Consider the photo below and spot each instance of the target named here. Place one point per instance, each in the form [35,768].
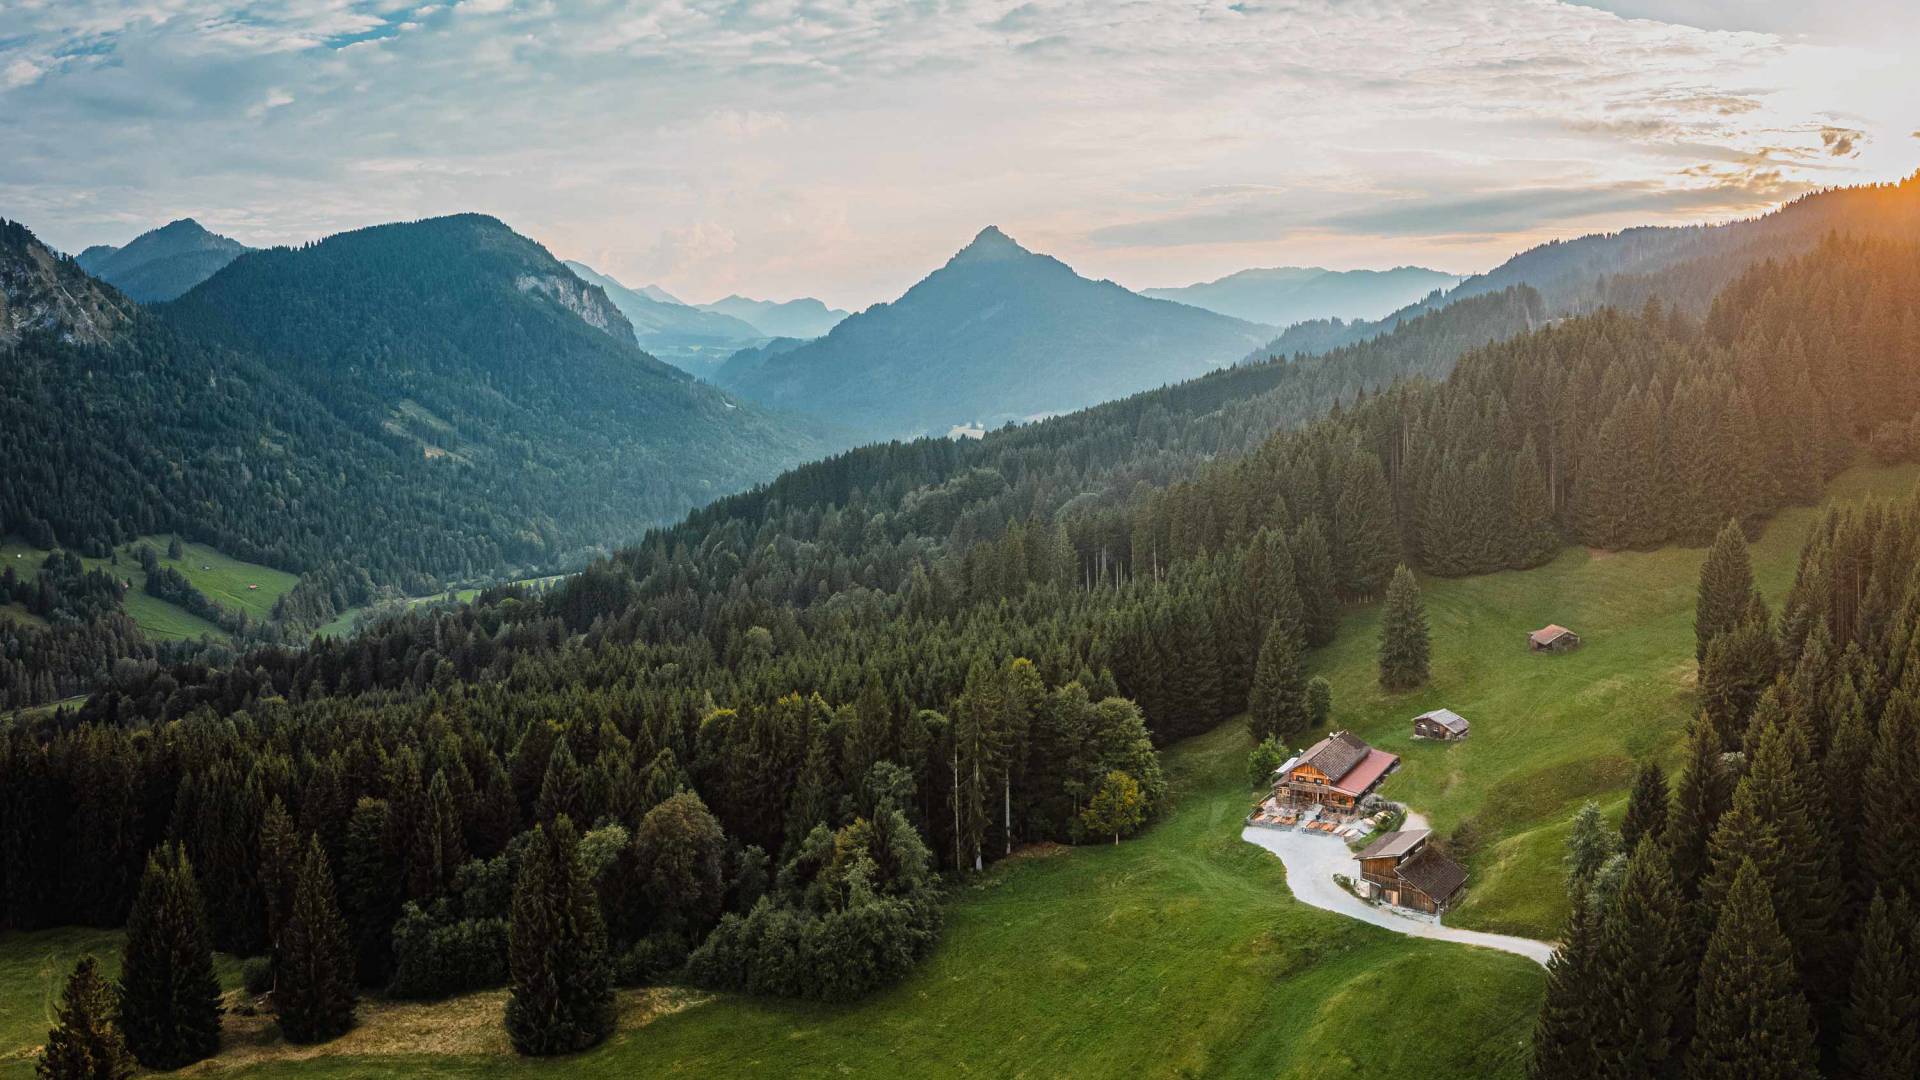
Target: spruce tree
[1882,1024]
[1640,971]
[1403,634]
[1892,801]
[1313,576]
[87,1044]
[1278,706]
[1532,538]
[313,993]
[1751,1021]
[1646,806]
[561,1000]
[1589,845]
[1366,540]
[1726,587]
[169,997]
[563,790]
[1699,800]
[1563,1033]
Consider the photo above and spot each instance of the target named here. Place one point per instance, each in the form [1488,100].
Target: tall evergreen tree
[87,1044]
[169,997]
[1403,634]
[1313,577]
[1646,806]
[1640,972]
[1726,589]
[1881,1030]
[1563,1044]
[1892,835]
[1751,1021]
[561,1000]
[313,991]
[1589,845]
[1698,802]
[1366,542]
[1278,705]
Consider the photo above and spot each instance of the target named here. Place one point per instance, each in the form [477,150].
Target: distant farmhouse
[1553,638]
[1335,773]
[1403,870]
[1440,724]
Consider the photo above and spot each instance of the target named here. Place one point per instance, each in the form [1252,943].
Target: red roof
[1362,776]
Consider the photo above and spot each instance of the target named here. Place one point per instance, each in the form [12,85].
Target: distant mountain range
[426,401]
[700,337]
[802,318]
[999,333]
[164,263]
[1284,295]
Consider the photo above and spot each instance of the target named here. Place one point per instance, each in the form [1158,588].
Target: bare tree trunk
[1007,795]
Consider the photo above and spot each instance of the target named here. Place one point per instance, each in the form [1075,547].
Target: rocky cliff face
[584,300]
[41,292]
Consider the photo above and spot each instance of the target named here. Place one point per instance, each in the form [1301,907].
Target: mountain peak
[990,245]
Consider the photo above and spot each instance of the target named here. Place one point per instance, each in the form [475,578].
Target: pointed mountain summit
[998,333]
[989,245]
[163,263]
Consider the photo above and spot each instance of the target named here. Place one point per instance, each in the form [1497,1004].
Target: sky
[844,148]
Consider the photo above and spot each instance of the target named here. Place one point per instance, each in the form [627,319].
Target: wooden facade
[1336,773]
[1410,874]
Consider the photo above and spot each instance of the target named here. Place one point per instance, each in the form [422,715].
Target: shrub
[256,975]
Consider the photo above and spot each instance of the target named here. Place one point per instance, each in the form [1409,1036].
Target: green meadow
[229,582]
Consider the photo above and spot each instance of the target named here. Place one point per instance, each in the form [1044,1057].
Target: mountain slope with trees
[398,408]
[1685,266]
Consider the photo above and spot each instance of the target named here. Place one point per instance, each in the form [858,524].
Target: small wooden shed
[1440,724]
[1553,638]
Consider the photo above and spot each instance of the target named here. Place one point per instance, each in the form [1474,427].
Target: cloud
[843,147]
[1840,141]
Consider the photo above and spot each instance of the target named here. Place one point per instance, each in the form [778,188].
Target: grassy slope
[1177,954]
[224,580]
[1550,732]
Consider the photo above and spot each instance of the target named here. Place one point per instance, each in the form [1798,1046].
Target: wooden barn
[1553,638]
[1409,873]
[1336,773]
[1440,724]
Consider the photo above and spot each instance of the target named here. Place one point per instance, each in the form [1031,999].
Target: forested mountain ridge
[998,333]
[403,407]
[1284,295]
[1681,265]
[162,264]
